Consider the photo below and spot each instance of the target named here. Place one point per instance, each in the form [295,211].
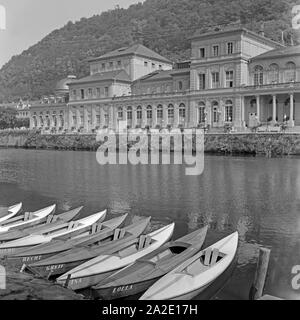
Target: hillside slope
[163,25]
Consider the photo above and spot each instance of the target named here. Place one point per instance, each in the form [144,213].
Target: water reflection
[258,197]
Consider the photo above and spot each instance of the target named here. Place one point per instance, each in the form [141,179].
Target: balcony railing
[281,85]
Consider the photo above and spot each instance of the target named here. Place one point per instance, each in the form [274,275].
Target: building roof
[62,85]
[119,75]
[222,30]
[285,51]
[163,74]
[137,49]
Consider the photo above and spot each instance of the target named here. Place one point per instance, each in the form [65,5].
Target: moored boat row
[111,258]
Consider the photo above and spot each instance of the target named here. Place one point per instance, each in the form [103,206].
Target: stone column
[94,117]
[208,112]
[243,111]
[291,121]
[176,116]
[86,119]
[78,119]
[274,109]
[111,117]
[165,116]
[134,118]
[144,116]
[222,114]
[70,123]
[258,108]
[154,117]
[102,118]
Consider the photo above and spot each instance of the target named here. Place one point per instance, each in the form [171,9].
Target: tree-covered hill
[163,25]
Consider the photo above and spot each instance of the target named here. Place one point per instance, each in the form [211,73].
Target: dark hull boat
[138,277]
[64,261]
[52,221]
[103,265]
[97,232]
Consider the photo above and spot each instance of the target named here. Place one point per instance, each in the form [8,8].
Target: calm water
[259,197]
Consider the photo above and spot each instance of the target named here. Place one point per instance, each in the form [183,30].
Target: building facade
[235,77]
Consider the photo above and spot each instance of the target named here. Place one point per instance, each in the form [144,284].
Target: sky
[28,21]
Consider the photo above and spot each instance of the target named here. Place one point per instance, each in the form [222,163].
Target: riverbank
[21,286]
[268,144]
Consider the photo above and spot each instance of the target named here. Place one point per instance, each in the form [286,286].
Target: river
[259,197]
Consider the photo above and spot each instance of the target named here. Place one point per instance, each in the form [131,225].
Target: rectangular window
[215,51]
[103,66]
[82,93]
[201,118]
[98,92]
[230,48]
[228,113]
[160,113]
[90,92]
[229,79]
[106,91]
[98,118]
[119,63]
[111,64]
[182,113]
[202,52]
[120,114]
[215,80]
[74,94]
[202,81]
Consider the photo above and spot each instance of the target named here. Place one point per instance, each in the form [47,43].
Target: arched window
[120,113]
[170,112]
[258,75]
[201,113]
[129,113]
[182,111]
[290,72]
[149,112]
[215,108]
[139,112]
[159,111]
[228,111]
[274,73]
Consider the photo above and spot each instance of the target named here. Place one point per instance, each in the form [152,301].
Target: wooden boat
[10,212]
[26,219]
[97,269]
[193,276]
[87,249]
[138,277]
[68,228]
[96,233]
[52,220]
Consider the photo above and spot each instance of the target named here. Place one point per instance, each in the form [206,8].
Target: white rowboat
[94,270]
[58,231]
[28,219]
[193,276]
[11,212]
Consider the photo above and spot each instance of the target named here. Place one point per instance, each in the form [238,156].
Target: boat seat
[207,256]
[122,233]
[26,216]
[116,234]
[71,224]
[54,218]
[214,257]
[141,242]
[147,241]
[49,219]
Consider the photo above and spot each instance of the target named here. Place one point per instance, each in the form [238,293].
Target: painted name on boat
[123,288]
